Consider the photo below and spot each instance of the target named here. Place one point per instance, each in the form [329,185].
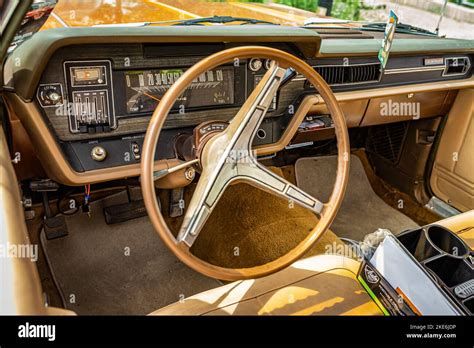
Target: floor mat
[119,269]
[251,227]
[362,211]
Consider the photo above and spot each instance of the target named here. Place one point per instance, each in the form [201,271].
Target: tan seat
[319,285]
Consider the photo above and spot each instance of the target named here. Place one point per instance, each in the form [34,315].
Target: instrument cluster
[95,95]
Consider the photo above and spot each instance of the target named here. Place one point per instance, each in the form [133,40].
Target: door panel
[20,286]
[452,177]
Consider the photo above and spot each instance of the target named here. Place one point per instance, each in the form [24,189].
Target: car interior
[229,169]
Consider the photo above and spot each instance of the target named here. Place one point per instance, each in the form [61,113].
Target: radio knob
[98,153]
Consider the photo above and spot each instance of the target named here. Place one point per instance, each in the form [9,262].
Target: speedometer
[145,88]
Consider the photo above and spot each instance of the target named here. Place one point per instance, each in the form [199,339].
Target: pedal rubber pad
[55,227]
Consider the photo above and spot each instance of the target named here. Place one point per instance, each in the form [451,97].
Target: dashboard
[103,98]
[102,94]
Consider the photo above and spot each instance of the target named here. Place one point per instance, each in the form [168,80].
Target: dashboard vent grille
[456,66]
[349,74]
[387,140]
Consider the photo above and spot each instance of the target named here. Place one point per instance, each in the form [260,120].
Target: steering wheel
[227,157]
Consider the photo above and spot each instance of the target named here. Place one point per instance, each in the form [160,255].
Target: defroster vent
[349,74]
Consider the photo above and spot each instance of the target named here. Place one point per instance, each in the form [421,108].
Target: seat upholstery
[319,285]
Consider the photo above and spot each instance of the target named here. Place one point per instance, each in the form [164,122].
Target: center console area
[447,259]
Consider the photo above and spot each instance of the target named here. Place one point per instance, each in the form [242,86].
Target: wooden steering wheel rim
[148,154]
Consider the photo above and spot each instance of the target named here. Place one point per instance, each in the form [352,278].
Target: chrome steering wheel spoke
[228,157]
[208,191]
[259,176]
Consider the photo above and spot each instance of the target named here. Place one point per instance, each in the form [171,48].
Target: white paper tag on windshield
[388,38]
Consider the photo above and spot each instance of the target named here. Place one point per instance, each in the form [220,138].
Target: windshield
[347,14]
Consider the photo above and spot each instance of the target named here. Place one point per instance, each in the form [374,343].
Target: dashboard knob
[255,64]
[98,153]
[50,94]
[53,96]
[190,173]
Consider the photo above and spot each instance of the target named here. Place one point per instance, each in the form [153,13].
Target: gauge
[145,88]
[255,64]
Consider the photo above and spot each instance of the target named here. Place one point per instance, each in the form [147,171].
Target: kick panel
[452,177]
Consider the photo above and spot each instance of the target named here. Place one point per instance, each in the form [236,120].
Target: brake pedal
[55,227]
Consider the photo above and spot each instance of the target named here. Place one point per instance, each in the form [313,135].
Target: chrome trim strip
[415,69]
[339,65]
[441,208]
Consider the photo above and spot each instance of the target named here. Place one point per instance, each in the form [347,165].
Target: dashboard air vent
[456,66]
[349,74]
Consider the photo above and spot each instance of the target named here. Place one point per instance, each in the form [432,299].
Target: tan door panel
[452,178]
[20,285]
